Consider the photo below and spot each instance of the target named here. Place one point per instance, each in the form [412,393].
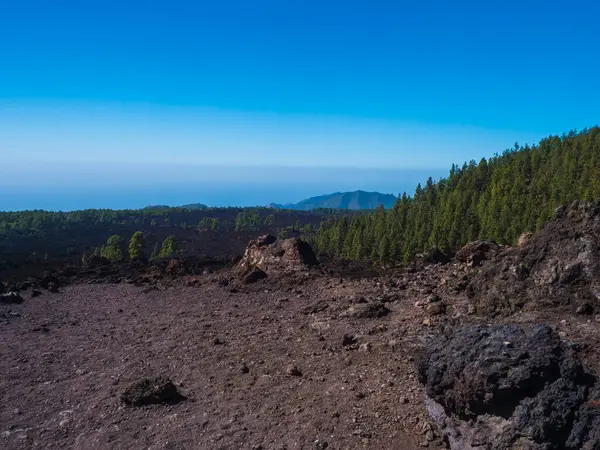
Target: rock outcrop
[272,257]
[559,265]
[502,387]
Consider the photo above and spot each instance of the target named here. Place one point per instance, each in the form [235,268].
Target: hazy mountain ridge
[357,200]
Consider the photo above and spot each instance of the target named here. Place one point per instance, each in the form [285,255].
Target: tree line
[39,222]
[115,249]
[498,198]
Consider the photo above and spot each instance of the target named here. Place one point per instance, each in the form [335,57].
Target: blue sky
[372,85]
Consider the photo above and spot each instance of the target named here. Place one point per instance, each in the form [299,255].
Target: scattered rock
[293,371]
[320,306]
[149,391]
[35,293]
[11,298]
[436,309]
[367,311]
[321,445]
[349,339]
[365,347]
[585,309]
[244,369]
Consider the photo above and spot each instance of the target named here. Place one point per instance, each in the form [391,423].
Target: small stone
[348,340]
[436,309]
[293,371]
[321,445]
[244,369]
[585,309]
[366,347]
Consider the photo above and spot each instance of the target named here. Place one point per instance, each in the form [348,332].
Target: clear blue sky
[359,84]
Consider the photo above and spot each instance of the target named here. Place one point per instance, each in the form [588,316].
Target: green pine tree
[137,244]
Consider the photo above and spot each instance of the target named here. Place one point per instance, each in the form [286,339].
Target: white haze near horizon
[107,186]
[74,155]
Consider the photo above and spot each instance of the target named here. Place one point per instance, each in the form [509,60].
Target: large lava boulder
[557,266]
[272,257]
[503,387]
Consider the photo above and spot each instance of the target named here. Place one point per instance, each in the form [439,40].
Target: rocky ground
[313,357]
[68,357]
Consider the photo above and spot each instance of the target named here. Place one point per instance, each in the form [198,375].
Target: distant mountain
[358,200]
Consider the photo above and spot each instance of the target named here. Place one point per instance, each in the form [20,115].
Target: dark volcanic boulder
[148,391]
[503,387]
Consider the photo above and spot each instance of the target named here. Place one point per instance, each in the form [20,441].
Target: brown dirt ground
[67,357]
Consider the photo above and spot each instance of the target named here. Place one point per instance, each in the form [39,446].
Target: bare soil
[66,358]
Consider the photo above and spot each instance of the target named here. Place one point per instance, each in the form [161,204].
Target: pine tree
[137,244]
[112,250]
[169,248]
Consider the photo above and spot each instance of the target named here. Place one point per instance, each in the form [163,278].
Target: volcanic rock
[474,253]
[293,371]
[366,310]
[149,391]
[559,265]
[11,298]
[276,257]
[503,387]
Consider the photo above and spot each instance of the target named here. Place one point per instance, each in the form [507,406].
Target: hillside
[498,198]
[357,200]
